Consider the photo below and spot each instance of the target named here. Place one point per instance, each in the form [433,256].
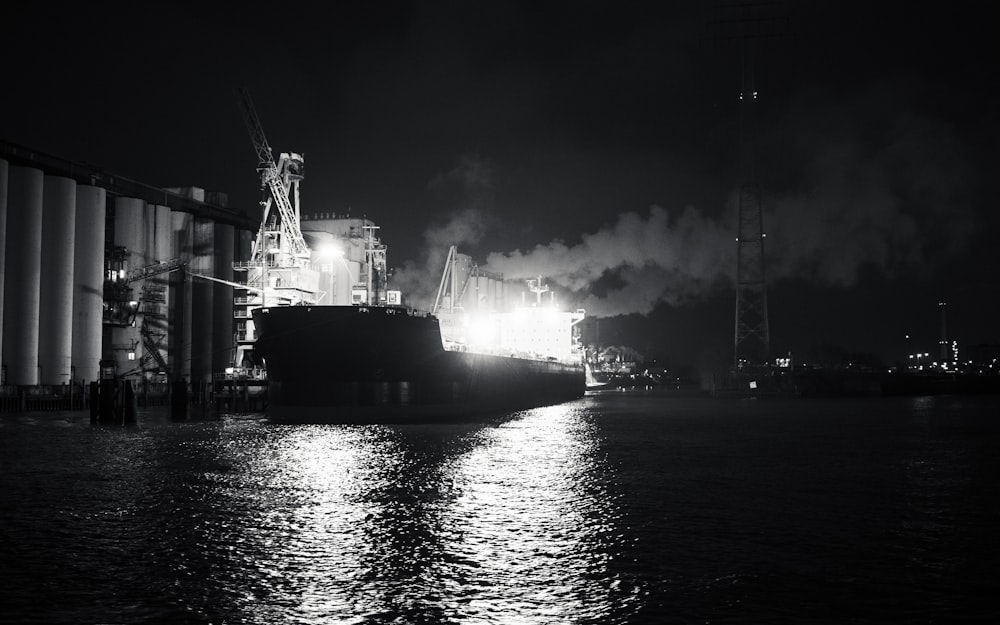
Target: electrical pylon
[752,337]
[747,24]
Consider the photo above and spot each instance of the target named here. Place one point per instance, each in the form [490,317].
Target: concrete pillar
[202,262]
[149,234]
[55,335]
[130,233]
[244,242]
[88,281]
[179,316]
[22,274]
[222,328]
[3,239]
[130,229]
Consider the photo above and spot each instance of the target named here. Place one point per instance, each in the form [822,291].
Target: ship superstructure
[350,260]
[481,312]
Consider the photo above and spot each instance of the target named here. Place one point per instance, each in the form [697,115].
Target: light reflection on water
[505,523]
[533,529]
[304,538]
[619,509]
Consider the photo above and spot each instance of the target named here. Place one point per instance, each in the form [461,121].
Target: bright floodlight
[330,249]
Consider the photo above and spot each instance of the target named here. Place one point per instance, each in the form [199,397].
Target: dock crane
[279,271]
[279,234]
[278,268]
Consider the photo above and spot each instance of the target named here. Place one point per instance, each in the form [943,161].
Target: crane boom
[271,179]
[264,153]
[154,270]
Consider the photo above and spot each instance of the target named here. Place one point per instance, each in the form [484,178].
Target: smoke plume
[875,187]
[896,199]
[468,185]
[892,194]
[652,258]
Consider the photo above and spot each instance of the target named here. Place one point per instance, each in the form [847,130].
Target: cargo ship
[378,361]
[347,364]
[316,315]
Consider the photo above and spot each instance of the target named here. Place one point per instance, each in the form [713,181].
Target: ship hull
[353,364]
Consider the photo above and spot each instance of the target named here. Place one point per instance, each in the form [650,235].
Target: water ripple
[622,509]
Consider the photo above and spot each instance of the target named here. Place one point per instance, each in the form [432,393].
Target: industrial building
[157,284]
[95,267]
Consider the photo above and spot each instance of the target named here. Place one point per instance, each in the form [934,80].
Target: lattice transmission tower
[746,24]
[752,337]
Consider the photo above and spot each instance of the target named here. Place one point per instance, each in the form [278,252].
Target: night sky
[593,143]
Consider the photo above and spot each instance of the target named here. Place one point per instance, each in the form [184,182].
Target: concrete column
[3,239]
[148,234]
[22,274]
[222,326]
[55,336]
[202,262]
[180,314]
[244,244]
[88,281]
[130,229]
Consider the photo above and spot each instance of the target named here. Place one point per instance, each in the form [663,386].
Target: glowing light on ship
[470,307]
[525,332]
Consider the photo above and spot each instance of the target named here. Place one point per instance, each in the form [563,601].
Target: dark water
[624,508]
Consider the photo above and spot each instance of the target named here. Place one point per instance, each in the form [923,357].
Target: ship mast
[536,287]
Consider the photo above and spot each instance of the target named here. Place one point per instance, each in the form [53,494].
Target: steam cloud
[897,205]
[890,199]
[653,258]
[471,179]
